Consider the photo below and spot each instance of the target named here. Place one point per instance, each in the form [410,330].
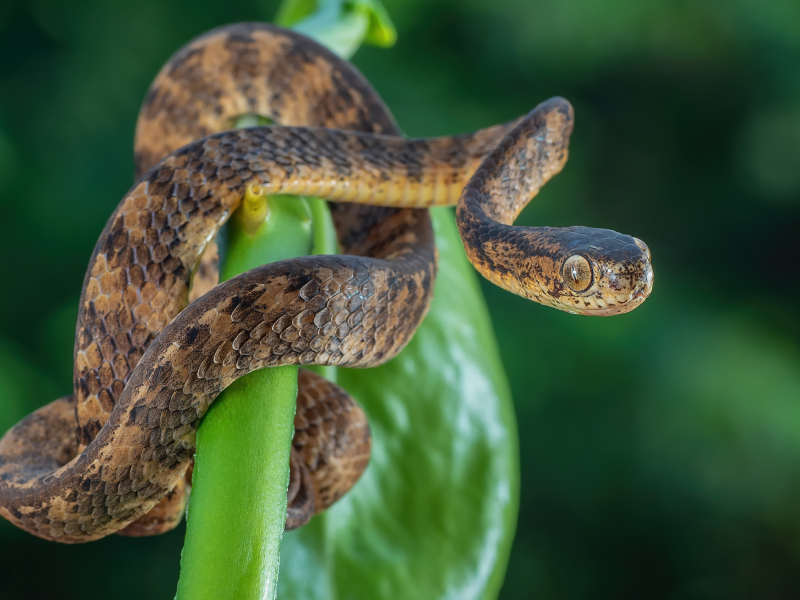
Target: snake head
[580,270]
[599,272]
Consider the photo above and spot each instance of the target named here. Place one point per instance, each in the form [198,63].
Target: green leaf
[293,11]
[435,513]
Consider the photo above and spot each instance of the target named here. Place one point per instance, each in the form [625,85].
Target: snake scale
[112,456]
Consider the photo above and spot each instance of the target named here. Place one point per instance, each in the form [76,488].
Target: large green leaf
[434,514]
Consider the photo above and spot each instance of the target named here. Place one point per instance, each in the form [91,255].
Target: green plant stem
[324,233]
[236,519]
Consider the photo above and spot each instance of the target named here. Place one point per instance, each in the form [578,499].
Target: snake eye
[643,246]
[577,273]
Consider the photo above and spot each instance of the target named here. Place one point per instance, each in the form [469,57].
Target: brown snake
[147,366]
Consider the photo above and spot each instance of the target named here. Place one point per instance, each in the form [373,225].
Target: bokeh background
[660,450]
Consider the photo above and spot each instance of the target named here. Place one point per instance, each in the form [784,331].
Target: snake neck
[574,269]
[517,259]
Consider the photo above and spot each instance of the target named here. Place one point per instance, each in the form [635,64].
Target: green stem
[324,232]
[341,25]
[238,508]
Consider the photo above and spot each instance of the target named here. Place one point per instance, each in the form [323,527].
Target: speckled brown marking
[145,372]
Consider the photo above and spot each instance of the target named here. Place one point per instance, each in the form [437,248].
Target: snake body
[147,366]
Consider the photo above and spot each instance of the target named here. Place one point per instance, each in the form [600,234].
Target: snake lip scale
[113,456]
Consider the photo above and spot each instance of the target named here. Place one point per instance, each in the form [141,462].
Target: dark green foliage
[659,449]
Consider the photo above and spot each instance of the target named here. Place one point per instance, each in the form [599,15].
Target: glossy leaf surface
[434,515]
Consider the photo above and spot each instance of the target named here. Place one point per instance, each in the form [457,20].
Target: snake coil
[112,456]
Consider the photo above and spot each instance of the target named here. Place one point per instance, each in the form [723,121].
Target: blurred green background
[660,450]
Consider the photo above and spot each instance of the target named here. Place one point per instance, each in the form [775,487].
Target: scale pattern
[137,286]
[277,314]
[331,438]
[139,275]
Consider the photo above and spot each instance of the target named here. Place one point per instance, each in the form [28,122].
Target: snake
[113,456]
